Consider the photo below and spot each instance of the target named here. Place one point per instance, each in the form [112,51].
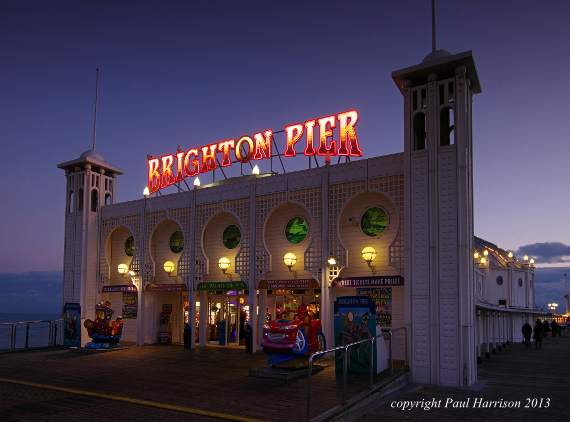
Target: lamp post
[552,307]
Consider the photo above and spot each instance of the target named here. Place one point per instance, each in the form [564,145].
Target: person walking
[545,328]
[527,332]
[538,334]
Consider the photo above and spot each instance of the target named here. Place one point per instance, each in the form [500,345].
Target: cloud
[32,292]
[547,252]
[550,286]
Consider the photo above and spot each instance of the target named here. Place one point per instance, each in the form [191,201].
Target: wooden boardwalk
[206,384]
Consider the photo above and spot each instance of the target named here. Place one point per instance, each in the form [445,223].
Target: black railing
[345,355]
[30,334]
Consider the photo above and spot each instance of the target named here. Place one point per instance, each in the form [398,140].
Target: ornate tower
[439,217]
[91,184]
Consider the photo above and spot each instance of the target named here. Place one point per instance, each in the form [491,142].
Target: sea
[15,318]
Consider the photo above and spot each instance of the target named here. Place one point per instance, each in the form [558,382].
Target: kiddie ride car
[104,333]
[292,337]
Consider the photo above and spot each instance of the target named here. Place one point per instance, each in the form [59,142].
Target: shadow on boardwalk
[515,384]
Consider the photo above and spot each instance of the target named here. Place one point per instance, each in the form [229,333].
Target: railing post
[371,361]
[309,390]
[345,372]
[54,334]
[27,333]
[391,359]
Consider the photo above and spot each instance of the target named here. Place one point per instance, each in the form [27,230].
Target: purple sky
[190,73]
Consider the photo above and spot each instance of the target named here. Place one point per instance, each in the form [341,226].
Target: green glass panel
[231,236]
[177,242]
[130,246]
[296,230]
[374,221]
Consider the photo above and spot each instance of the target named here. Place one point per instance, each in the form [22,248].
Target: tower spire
[96,93]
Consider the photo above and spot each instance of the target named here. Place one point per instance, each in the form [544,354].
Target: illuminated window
[296,230]
[374,221]
[130,246]
[177,242]
[499,280]
[231,236]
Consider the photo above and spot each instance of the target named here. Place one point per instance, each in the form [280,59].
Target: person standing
[527,332]
[554,326]
[538,334]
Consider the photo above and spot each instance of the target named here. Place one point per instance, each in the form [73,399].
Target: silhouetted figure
[545,328]
[538,334]
[527,333]
[554,326]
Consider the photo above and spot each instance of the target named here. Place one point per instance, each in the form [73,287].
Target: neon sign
[170,169]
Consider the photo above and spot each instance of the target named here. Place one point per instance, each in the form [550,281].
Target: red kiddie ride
[293,332]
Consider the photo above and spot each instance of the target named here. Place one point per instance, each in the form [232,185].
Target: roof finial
[95,123]
[433,48]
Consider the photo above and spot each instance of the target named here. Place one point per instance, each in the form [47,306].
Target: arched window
[94,200]
[446,127]
[80,200]
[70,202]
[420,136]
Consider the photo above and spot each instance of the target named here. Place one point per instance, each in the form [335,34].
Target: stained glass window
[177,242]
[231,236]
[130,246]
[296,230]
[374,221]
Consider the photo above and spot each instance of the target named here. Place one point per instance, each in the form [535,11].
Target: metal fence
[345,355]
[30,334]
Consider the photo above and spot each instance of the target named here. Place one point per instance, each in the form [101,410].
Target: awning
[169,287]
[369,281]
[120,288]
[222,285]
[307,283]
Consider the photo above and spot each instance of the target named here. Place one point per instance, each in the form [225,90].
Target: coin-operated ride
[104,333]
[290,339]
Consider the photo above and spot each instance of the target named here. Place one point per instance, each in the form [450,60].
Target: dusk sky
[191,73]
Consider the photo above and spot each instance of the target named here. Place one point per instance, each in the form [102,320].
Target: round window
[177,242]
[500,280]
[296,230]
[231,236]
[130,246]
[520,282]
[374,221]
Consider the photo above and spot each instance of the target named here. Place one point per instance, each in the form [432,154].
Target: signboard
[307,283]
[371,281]
[130,305]
[120,288]
[353,322]
[382,298]
[222,285]
[170,169]
[166,288]
[72,325]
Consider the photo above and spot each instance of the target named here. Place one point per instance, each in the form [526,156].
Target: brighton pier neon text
[170,169]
